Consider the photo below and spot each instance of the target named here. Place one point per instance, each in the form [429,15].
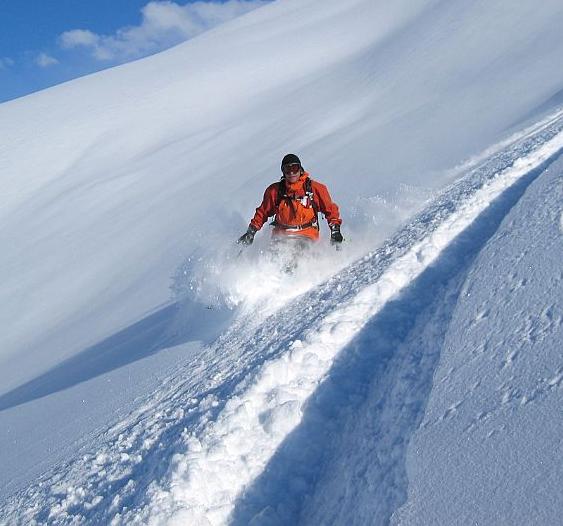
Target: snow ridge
[189,452]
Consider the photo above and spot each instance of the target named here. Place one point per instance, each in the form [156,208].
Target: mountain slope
[109,177]
[254,430]
[492,428]
[117,398]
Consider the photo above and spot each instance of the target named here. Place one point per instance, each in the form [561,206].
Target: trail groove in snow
[190,451]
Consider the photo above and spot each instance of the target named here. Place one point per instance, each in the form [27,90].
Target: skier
[295,202]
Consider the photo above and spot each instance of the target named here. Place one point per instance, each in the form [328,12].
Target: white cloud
[78,37]
[6,62]
[43,60]
[164,24]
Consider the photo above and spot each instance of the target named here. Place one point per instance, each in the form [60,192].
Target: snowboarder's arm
[266,209]
[326,204]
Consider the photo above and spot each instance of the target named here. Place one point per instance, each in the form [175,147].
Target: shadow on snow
[140,340]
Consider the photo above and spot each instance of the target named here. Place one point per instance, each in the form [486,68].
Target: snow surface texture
[254,430]
[499,381]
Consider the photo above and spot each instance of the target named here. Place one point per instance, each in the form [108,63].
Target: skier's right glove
[248,237]
[335,235]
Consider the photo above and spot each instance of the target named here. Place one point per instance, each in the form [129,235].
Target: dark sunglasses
[291,168]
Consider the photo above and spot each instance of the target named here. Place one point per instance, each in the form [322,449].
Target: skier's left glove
[335,235]
[248,237]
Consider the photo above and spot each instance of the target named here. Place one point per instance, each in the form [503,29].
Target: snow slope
[107,180]
[493,425]
[119,404]
[277,407]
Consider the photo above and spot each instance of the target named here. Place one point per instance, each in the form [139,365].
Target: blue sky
[45,42]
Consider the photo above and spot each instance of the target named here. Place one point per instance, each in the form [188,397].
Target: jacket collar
[297,186]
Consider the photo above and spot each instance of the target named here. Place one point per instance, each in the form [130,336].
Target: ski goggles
[291,168]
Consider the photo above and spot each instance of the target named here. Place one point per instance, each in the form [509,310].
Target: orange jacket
[302,210]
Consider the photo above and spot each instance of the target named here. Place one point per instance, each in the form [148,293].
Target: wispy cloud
[44,60]
[164,24]
[6,62]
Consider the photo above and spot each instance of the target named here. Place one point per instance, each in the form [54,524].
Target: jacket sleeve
[326,204]
[266,209]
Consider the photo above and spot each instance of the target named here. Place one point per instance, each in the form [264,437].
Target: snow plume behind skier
[277,269]
[260,280]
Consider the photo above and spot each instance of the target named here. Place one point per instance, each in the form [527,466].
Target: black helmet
[291,158]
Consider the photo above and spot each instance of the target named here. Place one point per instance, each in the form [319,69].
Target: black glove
[248,237]
[335,235]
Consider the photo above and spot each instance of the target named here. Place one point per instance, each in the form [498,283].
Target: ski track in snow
[212,446]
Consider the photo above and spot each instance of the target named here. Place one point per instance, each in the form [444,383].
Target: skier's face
[292,172]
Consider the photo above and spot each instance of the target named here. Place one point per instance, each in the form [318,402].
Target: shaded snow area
[425,372]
